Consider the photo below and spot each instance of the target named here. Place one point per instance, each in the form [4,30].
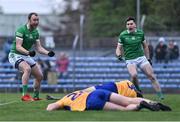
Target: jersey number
[131,86]
[74,95]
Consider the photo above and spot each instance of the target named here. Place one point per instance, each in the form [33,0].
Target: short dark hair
[130,18]
[30,15]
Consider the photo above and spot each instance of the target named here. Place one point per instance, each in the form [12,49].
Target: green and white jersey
[132,44]
[29,38]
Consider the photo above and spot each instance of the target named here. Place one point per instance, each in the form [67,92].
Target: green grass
[35,111]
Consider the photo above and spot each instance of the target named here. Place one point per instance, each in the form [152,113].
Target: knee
[27,69]
[39,77]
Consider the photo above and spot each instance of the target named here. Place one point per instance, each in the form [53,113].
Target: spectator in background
[62,65]
[151,50]
[176,50]
[44,67]
[160,50]
[172,51]
[6,48]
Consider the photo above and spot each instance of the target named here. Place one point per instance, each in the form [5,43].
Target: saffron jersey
[126,88]
[75,101]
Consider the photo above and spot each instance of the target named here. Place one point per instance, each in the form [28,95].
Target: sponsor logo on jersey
[31,37]
[133,38]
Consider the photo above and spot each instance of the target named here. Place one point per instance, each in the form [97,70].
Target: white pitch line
[1,104]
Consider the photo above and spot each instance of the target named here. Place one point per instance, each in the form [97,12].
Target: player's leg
[26,71]
[37,73]
[147,69]
[132,69]
[101,100]
[124,101]
[19,62]
[113,106]
[163,107]
[132,107]
[119,102]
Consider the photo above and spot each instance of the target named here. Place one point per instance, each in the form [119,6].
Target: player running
[133,47]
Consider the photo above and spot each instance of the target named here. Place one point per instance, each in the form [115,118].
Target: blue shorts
[111,86]
[97,99]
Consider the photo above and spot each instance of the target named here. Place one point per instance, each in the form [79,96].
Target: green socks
[24,89]
[36,94]
[160,95]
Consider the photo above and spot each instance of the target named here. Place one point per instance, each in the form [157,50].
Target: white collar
[134,31]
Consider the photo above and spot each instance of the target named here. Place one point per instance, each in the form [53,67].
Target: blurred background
[84,34]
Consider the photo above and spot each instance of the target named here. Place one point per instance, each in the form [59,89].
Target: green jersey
[132,44]
[29,38]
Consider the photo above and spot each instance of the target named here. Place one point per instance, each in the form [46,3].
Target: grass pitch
[13,109]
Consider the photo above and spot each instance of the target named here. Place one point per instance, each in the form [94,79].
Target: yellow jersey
[126,88]
[75,101]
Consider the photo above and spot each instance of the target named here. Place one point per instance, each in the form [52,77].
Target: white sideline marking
[1,104]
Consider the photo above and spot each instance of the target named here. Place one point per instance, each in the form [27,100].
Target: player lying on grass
[104,100]
[124,87]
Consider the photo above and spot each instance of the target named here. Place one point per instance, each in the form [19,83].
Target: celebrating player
[133,47]
[104,100]
[21,52]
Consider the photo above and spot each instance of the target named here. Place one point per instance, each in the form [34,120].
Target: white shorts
[15,59]
[140,61]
